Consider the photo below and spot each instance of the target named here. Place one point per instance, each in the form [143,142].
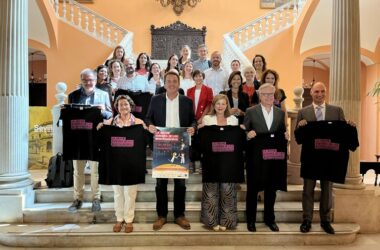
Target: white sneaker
[222,228]
[215,228]
[87,169]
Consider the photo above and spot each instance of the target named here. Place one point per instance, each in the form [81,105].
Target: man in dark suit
[318,111]
[261,119]
[171,109]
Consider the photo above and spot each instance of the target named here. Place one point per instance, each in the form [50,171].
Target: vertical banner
[171,153]
[40,137]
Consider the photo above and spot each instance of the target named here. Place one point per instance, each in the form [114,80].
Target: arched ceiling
[318,32]
[36,24]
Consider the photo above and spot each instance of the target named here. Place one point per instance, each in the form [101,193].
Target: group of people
[196,95]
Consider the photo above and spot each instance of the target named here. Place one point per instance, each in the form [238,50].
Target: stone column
[14,108]
[345,73]
[294,162]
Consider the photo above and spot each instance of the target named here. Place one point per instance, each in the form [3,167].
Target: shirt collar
[168,99]
[323,105]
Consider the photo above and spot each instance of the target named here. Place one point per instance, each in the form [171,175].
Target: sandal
[129,228]
[118,226]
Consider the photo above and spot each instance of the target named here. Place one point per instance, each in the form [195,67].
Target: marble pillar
[294,161]
[15,179]
[345,74]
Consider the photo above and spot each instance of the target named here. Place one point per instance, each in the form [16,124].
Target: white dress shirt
[268,116]
[172,112]
[216,79]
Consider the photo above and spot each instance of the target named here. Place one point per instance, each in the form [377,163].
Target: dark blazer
[254,120]
[157,111]
[243,103]
[205,99]
[333,113]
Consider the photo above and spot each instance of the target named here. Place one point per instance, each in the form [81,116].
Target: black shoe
[305,226]
[273,226]
[77,204]
[327,227]
[251,227]
[96,206]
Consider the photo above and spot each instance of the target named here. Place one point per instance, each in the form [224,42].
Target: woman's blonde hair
[218,97]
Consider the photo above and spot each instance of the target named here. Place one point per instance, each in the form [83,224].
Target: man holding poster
[171,110]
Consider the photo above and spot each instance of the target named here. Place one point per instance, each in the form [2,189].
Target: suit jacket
[100,97]
[157,111]
[205,99]
[333,113]
[243,103]
[254,120]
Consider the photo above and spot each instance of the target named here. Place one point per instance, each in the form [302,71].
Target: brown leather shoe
[183,222]
[129,228]
[159,223]
[118,226]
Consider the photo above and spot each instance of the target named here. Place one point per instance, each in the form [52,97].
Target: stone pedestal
[359,206]
[14,109]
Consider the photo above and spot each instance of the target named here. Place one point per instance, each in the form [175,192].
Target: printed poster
[40,137]
[171,153]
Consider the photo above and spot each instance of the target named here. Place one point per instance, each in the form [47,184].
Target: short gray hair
[87,72]
[266,86]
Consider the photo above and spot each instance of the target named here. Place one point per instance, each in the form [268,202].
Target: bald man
[216,77]
[319,110]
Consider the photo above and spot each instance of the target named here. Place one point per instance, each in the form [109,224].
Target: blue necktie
[318,113]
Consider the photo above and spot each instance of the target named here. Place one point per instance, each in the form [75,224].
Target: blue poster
[171,153]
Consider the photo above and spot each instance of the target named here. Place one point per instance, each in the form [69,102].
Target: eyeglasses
[267,94]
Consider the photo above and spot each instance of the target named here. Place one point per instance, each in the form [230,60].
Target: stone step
[101,235]
[146,212]
[147,193]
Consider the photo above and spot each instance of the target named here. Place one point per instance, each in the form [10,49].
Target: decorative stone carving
[168,40]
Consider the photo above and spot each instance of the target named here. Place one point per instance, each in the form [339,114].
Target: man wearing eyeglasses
[261,122]
[88,94]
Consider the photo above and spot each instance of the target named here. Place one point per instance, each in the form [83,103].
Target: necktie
[318,113]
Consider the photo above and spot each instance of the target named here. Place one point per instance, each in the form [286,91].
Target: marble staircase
[47,223]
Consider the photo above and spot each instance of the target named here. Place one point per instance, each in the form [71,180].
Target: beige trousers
[125,202]
[79,179]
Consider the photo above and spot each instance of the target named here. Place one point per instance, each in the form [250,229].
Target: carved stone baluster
[260,30]
[64,10]
[94,25]
[246,35]
[281,21]
[71,12]
[108,33]
[56,7]
[79,17]
[267,25]
[101,30]
[86,23]
[239,38]
[274,23]
[253,33]
[295,10]
[115,37]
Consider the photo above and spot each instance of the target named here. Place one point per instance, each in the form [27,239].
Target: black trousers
[162,197]
[251,205]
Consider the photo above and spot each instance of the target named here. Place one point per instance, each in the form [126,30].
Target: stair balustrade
[93,24]
[259,30]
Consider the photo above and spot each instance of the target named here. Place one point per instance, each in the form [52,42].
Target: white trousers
[79,179]
[125,202]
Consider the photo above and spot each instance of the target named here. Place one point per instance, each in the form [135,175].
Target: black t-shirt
[267,162]
[325,149]
[79,133]
[222,148]
[141,100]
[122,157]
